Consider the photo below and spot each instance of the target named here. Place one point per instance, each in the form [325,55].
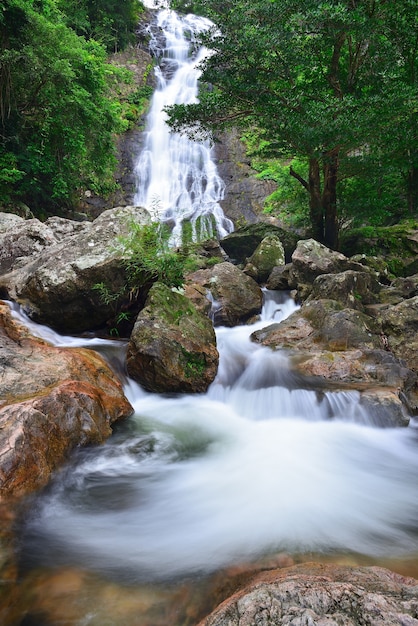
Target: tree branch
[299,178]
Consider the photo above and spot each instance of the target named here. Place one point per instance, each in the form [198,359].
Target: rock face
[21,239]
[321,595]
[244,193]
[51,401]
[238,297]
[400,324]
[172,346]
[56,286]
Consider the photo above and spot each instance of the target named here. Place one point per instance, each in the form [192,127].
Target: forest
[324,95]
[59,112]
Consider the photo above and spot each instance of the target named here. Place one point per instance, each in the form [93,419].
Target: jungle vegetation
[58,114]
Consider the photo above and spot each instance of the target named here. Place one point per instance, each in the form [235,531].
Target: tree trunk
[329,199]
[315,201]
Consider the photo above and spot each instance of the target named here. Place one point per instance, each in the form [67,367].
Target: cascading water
[177,179]
[256,465]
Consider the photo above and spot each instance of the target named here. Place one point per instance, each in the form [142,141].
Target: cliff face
[244,193]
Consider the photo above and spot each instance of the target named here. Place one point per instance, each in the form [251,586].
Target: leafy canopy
[326,82]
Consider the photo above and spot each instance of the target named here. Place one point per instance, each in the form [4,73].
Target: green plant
[148,256]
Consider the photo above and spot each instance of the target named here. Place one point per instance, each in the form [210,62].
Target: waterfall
[177,178]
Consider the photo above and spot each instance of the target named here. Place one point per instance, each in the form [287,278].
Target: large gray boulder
[313,594]
[351,288]
[311,259]
[268,254]
[172,346]
[238,298]
[56,286]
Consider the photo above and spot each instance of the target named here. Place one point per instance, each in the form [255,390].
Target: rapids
[191,484]
[259,465]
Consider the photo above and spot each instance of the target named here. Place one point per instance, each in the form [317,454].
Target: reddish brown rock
[51,401]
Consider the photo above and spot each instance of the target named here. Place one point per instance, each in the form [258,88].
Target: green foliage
[57,116]
[325,83]
[111,22]
[148,257]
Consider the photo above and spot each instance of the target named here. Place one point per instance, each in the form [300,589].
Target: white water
[193,483]
[177,179]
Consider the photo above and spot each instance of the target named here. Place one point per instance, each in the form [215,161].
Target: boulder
[332,347]
[237,296]
[350,288]
[241,244]
[173,346]
[279,278]
[311,259]
[56,287]
[8,221]
[314,594]
[400,324]
[22,238]
[51,401]
[399,290]
[268,254]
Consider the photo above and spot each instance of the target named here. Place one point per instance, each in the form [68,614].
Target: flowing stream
[256,466]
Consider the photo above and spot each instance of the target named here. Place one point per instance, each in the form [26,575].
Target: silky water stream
[255,468]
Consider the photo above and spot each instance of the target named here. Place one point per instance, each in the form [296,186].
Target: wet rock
[238,297]
[57,286]
[312,594]
[52,400]
[172,346]
[268,254]
[331,347]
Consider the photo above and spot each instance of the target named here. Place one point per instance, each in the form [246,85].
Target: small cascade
[177,179]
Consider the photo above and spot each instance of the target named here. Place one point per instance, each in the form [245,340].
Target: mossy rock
[242,243]
[398,244]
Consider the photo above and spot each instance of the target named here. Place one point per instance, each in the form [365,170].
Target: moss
[194,364]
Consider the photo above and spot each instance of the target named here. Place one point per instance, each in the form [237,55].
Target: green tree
[322,81]
[111,22]
[57,119]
